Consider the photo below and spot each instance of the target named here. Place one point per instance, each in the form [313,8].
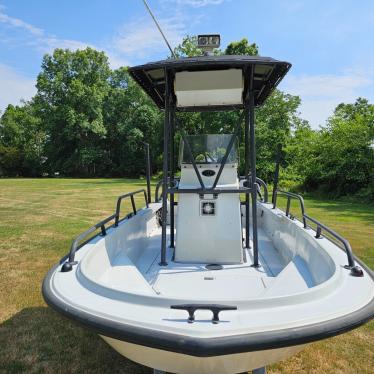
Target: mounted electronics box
[208,226]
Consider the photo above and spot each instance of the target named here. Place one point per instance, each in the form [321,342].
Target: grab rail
[355,270]
[260,183]
[290,196]
[345,242]
[67,266]
[131,196]
[159,184]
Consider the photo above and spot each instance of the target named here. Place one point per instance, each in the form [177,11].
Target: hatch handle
[214,308]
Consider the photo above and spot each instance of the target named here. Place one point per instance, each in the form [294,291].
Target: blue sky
[330,42]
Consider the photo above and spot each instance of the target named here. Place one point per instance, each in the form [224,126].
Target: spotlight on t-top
[208,42]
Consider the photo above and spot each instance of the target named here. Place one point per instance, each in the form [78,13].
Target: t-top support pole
[251,105]
[276,173]
[165,168]
[148,171]
[246,171]
[172,172]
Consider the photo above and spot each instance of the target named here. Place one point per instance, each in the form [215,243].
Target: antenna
[159,28]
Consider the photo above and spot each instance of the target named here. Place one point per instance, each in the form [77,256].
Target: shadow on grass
[39,340]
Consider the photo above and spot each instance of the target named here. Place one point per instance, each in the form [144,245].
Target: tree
[275,121]
[360,108]
[188,47]
[242,47]
[72,87]
[22,139]
[130,119]
[89,120]
[299,154]
[342,159]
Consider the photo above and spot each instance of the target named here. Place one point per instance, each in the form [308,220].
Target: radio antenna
[159,28]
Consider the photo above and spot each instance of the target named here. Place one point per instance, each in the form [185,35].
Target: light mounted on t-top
[207,43]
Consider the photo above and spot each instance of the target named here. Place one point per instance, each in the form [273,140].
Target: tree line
[87,120]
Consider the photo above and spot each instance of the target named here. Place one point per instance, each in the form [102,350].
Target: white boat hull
[302,292]
[184,364]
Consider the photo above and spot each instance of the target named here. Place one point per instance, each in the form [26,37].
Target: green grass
[39,218]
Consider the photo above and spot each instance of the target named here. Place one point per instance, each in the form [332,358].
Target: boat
[211,276]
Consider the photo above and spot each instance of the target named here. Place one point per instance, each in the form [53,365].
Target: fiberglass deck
[232,282]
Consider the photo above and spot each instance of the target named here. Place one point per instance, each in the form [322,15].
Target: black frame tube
[276,172]
[159,184]
[246,171]
[291,195]
[80,237]
[260,183]
[133,204]
[165,168]
[319,228]
[251,105]
[148,172]
[172,172]
[131,195]
[203,191]
[345,242]
[288,206]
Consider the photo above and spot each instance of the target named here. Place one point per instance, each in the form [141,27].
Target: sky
[330,43]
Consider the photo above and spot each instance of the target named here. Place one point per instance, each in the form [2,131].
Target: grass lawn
[39,218]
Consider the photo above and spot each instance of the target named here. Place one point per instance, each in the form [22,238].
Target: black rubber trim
[207,347]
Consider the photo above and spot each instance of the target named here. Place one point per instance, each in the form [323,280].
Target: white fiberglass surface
[301,280]
[181,279]
[127,260]
[231,282]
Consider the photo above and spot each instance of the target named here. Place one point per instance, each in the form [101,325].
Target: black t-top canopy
[266,76]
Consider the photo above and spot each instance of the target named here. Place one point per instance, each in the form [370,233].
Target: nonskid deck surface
[191,280]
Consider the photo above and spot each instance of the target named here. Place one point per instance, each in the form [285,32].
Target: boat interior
[207,256]
[135,265]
